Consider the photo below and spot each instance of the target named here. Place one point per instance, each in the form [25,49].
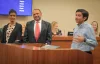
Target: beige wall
[62,11]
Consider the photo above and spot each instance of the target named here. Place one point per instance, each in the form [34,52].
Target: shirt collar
[13,24]
[81,25]
[39,21]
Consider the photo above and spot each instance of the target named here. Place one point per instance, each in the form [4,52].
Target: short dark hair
[39,10]
[12,11]
[84,13]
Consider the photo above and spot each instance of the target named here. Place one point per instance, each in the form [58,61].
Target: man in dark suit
[38,30]
[0,34]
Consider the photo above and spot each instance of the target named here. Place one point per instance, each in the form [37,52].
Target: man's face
[12,17]
[37,15]
[79,18]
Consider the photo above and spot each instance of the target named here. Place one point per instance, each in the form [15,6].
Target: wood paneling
[16,54]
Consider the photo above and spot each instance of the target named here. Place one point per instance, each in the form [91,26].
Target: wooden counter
[65,42]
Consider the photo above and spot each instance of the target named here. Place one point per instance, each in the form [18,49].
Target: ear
[41,14]
[85,18]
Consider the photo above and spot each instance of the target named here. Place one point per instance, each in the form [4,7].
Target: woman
[12,31]
[95,27]
[23,29]
[55,30]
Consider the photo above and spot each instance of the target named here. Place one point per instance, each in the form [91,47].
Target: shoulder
[18,24]
[29,22]
[87,25]
[46,22]
[5,26]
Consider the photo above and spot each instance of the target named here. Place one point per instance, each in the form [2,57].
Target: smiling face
[95,26]
[12,17]
[79,18]
[37,14]
[56,26]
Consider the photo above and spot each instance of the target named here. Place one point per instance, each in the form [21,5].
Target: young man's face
[79,18]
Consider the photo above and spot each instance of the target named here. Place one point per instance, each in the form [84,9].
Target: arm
[0,34]
[2,38]
[49,34]
[25,38]
[91,39]
[19,37]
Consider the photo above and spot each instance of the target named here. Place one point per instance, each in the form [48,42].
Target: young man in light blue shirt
[84,37]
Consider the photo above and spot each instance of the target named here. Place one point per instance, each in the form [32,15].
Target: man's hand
[79,39]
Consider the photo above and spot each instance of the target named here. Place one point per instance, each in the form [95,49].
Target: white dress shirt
[40,22]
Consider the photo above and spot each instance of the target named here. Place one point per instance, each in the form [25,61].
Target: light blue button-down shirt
[87,31]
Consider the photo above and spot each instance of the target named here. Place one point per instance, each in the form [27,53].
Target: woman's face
[94,25]
[12,17]
[56,26]
[23,28]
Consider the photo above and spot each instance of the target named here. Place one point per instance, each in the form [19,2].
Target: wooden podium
[65,42]
[26,54]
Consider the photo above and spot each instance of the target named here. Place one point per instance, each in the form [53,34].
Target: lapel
[5,30]
[14,30]
[32,27]
[42,28]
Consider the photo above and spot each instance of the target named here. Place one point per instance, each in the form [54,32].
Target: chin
[37,19]
[12,20]
[77,22]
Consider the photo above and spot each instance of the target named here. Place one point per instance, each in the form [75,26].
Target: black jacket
[15,35]
[45,35]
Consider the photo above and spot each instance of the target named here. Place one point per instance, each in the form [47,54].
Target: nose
[12,16]
[36,15]
[76,17]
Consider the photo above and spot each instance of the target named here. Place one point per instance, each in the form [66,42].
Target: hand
[79,39]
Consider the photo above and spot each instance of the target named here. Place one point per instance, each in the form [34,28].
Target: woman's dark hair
[12,11]
[84,13]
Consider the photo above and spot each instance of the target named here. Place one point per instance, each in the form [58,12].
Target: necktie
[37,31]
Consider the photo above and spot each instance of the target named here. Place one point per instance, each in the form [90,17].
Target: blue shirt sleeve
[90,37]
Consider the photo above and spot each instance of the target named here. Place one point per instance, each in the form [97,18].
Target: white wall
[62,11]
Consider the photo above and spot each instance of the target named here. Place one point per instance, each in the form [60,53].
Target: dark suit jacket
[15,35]
[0,34]
[45,35]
